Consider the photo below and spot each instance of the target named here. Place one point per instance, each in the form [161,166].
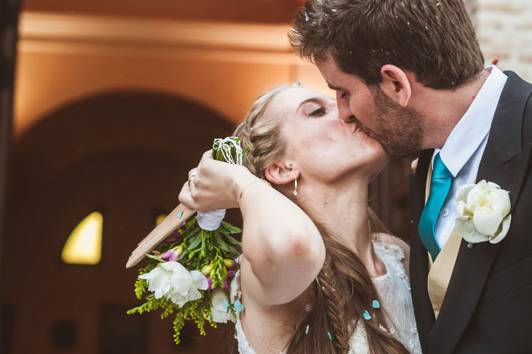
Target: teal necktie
[440,186]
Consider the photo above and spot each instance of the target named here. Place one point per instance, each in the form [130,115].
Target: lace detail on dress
[243,344]
[359,341]
[394,291]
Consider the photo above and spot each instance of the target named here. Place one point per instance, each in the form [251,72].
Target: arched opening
[123,154]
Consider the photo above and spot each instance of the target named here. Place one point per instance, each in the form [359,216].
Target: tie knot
[440,170]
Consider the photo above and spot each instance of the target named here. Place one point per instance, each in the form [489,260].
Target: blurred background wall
[505,33]
[114,102]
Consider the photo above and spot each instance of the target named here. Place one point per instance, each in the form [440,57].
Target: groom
[412,73]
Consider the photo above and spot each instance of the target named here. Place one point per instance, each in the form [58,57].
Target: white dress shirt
[464,147]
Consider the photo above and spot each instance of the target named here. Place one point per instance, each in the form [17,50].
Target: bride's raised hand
[281,258]
[214,185]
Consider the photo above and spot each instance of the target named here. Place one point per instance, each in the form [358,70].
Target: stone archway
[124,154]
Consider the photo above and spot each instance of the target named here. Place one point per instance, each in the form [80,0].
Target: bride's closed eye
[319,112]
[316,107]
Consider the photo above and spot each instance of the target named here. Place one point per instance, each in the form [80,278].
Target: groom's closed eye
[352,119]
[340,92]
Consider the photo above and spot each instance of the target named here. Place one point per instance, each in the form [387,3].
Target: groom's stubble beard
[400,129]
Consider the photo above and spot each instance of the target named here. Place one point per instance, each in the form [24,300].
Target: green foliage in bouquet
[181,276]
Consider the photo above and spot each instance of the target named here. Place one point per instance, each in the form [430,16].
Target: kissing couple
[319,272]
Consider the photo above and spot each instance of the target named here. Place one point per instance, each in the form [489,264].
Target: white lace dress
[394,291]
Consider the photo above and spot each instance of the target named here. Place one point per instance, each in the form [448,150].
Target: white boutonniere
[483,212]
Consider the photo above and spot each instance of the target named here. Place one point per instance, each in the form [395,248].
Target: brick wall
[505,32]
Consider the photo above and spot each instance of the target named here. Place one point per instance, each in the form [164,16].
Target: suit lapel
[419,260]
[505,162]
[521,168]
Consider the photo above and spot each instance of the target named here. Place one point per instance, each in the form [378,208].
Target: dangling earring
[295,188]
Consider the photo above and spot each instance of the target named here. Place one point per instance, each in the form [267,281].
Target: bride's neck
[343,210]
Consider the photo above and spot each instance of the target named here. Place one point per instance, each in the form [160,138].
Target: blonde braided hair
[260,133]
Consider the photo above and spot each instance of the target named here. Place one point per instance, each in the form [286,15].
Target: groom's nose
[343,110]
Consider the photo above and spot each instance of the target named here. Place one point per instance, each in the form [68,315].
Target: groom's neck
[443,109]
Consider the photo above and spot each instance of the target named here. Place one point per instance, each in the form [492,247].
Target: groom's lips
[359,127]
[355,123]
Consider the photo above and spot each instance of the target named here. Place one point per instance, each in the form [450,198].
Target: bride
[316,276]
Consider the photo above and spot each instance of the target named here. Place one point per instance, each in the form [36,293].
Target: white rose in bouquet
[175,282]
[483,212]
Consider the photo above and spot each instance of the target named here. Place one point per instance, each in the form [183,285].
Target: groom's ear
[395,84]
[282,172]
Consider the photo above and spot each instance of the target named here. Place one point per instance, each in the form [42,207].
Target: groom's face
[397,128]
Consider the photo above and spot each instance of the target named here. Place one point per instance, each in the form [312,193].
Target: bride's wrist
[243,183]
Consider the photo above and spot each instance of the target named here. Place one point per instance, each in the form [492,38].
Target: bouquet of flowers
[189,277]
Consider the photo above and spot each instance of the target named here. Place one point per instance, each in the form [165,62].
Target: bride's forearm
[275,223]
[281,243]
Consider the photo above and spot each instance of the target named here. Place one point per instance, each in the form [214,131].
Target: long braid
[339,333]
[355,290]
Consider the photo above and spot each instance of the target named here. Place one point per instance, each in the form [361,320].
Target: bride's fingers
[207,155]
[185,197]
[192,173]
[193,190]
[195,179]
[204,163]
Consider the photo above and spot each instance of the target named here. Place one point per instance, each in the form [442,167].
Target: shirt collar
[474,126]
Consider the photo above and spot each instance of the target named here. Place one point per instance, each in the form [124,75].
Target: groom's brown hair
[434,39]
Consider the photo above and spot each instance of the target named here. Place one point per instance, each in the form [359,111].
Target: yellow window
[84,244]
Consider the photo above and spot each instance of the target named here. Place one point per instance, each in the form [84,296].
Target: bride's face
[324,147]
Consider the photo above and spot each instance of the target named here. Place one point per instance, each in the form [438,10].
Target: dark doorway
[123,155]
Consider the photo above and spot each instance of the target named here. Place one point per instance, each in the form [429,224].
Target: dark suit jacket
[488,305]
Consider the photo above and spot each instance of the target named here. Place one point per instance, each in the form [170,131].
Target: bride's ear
[282,172]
